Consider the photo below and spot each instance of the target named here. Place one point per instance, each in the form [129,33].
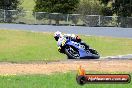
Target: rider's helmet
[57,35]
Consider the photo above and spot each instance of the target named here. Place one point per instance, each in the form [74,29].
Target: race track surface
[98,31]
[65,66]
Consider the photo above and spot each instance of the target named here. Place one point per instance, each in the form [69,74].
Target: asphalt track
[98,31]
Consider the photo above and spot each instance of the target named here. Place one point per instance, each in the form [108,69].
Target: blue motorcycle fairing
[82,52]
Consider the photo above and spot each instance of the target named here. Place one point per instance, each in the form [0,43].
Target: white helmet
[57,35]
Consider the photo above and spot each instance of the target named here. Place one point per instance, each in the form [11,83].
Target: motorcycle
[77,50]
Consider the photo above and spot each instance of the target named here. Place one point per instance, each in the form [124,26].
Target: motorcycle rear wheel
[95,54]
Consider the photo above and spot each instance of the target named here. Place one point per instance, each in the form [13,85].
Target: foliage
[118,7]
[89,7]
[121,8]
[28,6]
[58,6]
[55,6]
[10,4]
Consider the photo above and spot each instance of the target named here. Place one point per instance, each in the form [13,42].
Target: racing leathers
[72,37]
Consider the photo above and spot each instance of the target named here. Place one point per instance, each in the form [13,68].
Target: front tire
[72,53]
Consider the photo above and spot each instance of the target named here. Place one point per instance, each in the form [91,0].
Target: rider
[59,36]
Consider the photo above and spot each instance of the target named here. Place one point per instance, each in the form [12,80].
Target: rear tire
[95,54]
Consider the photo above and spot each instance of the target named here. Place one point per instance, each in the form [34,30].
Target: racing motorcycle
[77,50]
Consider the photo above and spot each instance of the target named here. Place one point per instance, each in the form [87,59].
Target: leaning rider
[59,36]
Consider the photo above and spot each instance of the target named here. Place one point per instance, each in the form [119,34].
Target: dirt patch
[64,66]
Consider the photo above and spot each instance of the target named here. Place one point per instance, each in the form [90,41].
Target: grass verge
[34,46]
[58,80]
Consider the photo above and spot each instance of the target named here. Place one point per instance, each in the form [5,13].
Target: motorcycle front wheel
[72,53]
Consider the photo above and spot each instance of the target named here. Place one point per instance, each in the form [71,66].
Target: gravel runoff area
[65,66]
[98,31]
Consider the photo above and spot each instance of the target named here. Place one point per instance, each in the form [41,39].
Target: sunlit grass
[108,46]
[57,80]
[38,46]
[27,46]
[28,4]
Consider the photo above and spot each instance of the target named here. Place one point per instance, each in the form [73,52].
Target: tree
[10,5]
[56,6]
[89,7]
[119,7]
[122,8]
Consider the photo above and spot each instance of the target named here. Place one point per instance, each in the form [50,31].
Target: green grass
[19,46]
[28,5]
[27,46]
[108,46]
[58,80]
